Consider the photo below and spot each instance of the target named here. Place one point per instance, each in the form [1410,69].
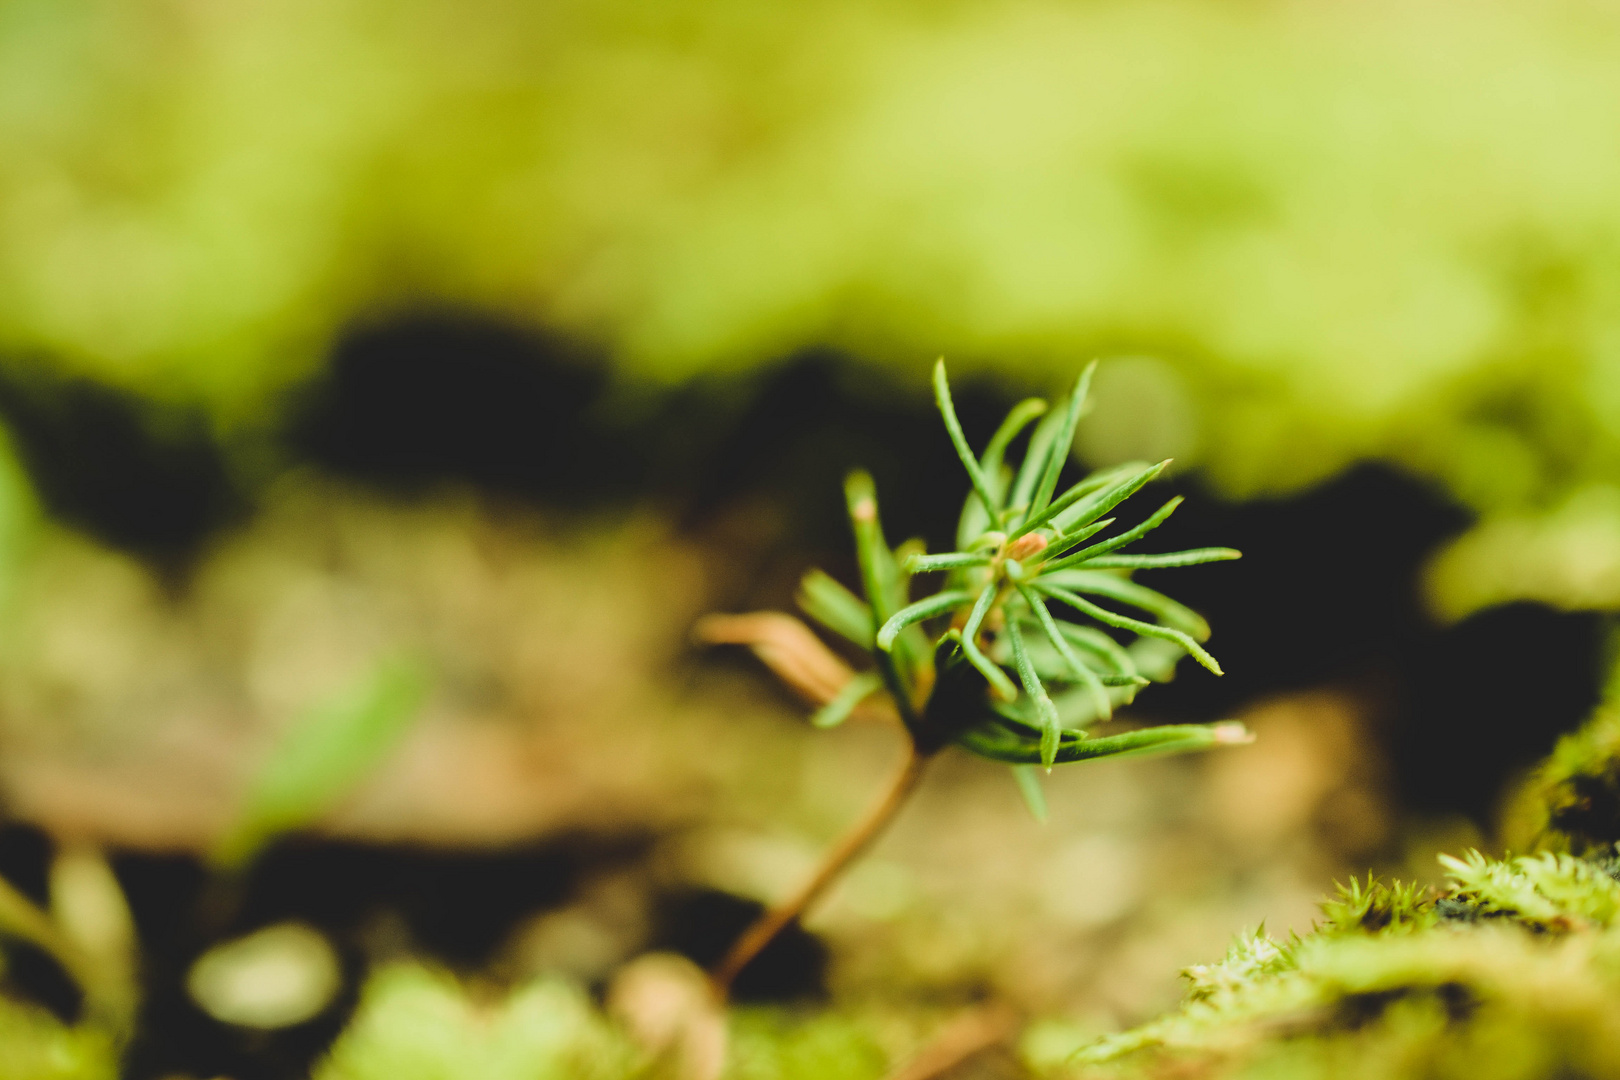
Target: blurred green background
[499,340]
[1331,232]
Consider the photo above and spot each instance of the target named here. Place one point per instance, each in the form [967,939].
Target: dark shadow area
[25,860]
[448,398]
[701,924]
[1328,593]
[431,399]
[149,479]
[806,423]
[372,902]
[1489,698]
[28,971]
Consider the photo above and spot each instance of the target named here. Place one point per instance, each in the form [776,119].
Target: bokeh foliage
[1381,230]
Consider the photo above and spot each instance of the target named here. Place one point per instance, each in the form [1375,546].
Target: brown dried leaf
[792,650]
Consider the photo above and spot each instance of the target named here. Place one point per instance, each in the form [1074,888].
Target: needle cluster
[1020,648]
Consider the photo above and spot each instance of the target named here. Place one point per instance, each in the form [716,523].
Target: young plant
[985,661]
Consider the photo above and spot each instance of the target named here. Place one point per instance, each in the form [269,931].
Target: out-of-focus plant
[87,928]
[413,1022]
[88,931]
[323,756]
[1000,674]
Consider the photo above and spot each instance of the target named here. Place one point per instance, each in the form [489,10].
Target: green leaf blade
[324,755]
[826,601]
[1123,622]
[1102,583]
[970,462]
[1191,557]
[1113,543]
[995,741]
[1029,786]
[1018,418]
[1081,505]
[1082,673]
[1063,439]
[970,648]
[954,560]
[855,691]
[927,608]
[1051,728]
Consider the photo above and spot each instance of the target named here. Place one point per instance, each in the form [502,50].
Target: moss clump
[773,1044]
[418,1024]
[1572,801]
[415,1023]
[1511,972]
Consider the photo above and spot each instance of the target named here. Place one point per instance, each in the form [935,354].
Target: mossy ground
[1511,971]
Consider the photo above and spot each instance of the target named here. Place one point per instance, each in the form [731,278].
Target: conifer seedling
[1017,650]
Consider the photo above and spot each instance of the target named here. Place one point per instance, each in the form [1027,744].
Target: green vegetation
[416,1024]
[1022,546]
[1507,973]
[323,757]
[1301,235]
[1323,233]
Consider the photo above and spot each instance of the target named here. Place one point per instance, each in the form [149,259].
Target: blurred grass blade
[855,691]
[23,920]
[942,397]
[1017,419]
[1034,465]
[825,600]
[324,755]
[1029,786]
[973,521]
[880,576]
[912,643]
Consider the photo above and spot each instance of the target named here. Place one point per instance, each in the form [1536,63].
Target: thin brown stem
[857,840]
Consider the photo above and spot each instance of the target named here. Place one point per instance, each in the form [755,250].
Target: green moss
[1572,801]
[1511,972]
[417,1024]
[772,1044]
[1378,908]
